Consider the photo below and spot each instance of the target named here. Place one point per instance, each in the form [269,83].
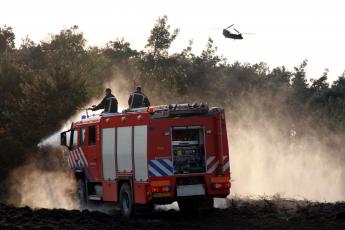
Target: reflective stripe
[226,163]
[83,156]
[160,172]
[69,161]
[153,172]
[76,159]
[109,106]
[72,159]
[161,167]
[139,94]
[79,158]
[212,164]
[132,100]
[213,168]
[209,160]
[166,164]
[226,166]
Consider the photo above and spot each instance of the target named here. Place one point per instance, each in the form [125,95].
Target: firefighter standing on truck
[138,99]
[109,103]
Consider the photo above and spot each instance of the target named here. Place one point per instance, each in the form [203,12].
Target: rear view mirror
[65,139]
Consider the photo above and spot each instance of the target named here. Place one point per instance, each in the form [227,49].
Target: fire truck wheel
[126,200]
[81,194]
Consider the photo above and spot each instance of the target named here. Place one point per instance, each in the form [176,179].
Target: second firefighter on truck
[138,99]
[110,105]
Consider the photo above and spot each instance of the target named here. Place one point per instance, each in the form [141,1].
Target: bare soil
[237,214]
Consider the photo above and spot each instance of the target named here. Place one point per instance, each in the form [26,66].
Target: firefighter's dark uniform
[109,104]
[138,100]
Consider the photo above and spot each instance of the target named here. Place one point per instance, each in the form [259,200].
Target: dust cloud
[37,188]
[269,156]
[267,153]
[43,183]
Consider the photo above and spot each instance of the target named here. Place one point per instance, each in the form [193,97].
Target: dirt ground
[236,214]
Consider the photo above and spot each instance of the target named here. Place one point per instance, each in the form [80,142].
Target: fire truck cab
[154,155]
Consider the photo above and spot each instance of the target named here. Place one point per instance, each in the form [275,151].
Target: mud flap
[143,208]
[195,206]
[206,203]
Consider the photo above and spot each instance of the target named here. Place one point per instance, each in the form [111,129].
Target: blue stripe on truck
[161,167]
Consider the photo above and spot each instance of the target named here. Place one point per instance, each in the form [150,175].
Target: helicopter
[228,34]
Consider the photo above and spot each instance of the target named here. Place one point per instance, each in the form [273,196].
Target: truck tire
[126,200]
[81,194]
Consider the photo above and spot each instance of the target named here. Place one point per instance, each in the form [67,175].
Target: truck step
[94,197]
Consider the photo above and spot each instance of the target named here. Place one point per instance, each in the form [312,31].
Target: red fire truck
[154,155]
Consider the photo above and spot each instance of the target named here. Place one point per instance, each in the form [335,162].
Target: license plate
[162,194]
[190,190]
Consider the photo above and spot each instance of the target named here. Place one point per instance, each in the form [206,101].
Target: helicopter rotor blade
[229,26]
[237,31]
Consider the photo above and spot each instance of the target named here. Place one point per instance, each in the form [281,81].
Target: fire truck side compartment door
[124,149]
[140,152]
[108,153]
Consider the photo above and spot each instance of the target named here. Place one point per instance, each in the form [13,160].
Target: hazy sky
[286,31]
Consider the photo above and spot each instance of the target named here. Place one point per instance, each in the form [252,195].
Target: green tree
[120,50]
[41,85]
[320,85]
[161,38]
[6,39]
[299,80]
